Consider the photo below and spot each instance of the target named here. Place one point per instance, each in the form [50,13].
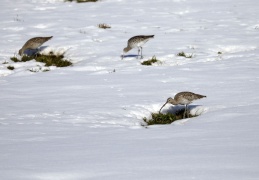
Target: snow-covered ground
[84,122]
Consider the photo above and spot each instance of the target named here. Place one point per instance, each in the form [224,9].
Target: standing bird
[34,43]
[137,41]
[183,98]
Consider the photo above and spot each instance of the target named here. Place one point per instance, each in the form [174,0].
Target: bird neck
[126,49]
[21,51]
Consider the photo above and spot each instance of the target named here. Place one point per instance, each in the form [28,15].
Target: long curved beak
[162,108]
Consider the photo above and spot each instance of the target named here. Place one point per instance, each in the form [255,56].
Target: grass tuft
[50,59]
[53,60]
[27,58]
[104,26]
[183,54]
[168,118]
[151,61]
[158,118]
[23,59]
[10,67]
[15,59]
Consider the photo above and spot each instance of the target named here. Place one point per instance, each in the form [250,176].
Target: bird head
[167,101]
[126,49]
[20,52]
[170,100]
[122,55]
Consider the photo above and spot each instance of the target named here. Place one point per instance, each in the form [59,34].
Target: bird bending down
[34,43]
[183,98]
[137,41]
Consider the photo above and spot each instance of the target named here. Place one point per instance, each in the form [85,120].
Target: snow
[85,121]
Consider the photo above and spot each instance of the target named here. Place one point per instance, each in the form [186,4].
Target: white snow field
[84,122]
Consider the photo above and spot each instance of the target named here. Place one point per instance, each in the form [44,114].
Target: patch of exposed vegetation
[15,59]
[158,118]
[10,67]
[53,60]
[49,60]
[151,61]
[104,26]
[168,118]
[183,54]
[219,52]
[23,59]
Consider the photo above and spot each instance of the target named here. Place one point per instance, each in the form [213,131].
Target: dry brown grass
[104,26]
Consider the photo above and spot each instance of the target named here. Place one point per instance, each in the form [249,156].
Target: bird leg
[138,52]
[141,57]
[187,111]
[184,111]
[36,53]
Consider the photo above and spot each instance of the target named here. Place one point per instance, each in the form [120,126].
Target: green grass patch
[50,59]
[168,118]
[53,60]
[10,67]
[151,61]
[15,59]
[158,118]
[23,59]
[27,58]
[183,54]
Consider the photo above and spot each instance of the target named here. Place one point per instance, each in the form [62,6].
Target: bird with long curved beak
[183,98]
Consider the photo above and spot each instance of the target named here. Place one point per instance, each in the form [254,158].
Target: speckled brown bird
[183,98]
[137,41]
[34,43]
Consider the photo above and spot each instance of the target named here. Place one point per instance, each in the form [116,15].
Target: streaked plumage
[34,43]
[136,41]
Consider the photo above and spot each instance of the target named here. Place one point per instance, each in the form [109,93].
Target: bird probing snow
[183,98]
[137,41]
